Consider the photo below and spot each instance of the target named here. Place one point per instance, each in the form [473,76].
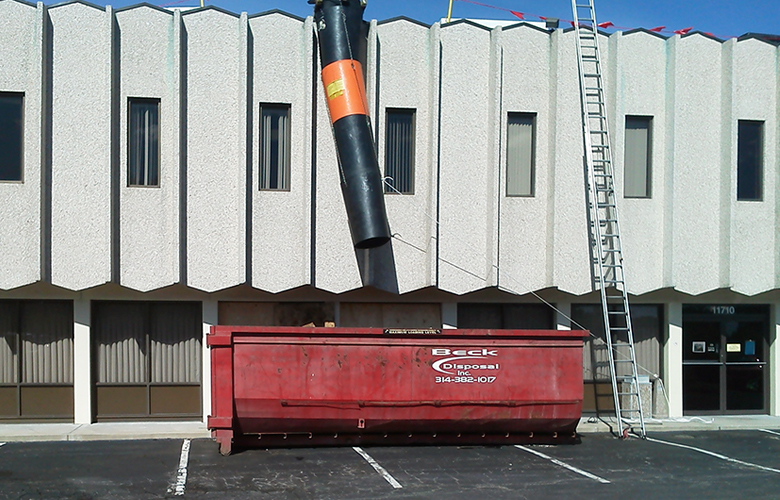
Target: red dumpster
[280,386]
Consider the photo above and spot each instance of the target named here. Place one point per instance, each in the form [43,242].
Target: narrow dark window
[399,150]
[520,154]
[750,161]
[143,165]
[636,158]
[275,135]
[11,132]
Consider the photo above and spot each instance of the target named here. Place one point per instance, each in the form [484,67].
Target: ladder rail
[606,244]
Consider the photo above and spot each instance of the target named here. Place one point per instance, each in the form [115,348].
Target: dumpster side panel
[311,384]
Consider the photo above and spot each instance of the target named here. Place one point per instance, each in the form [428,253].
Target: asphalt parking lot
[677,465]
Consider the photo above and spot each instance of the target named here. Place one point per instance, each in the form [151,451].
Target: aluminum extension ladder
[607,256]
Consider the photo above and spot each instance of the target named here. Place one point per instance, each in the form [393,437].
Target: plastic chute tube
[342,45]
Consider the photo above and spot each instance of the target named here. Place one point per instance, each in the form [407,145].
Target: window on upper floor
[143,156]
[750,160]
[636,158]
[399,150]
[520,154]
[11,135]
[275,135]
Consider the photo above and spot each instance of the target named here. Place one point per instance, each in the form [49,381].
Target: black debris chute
[342,42]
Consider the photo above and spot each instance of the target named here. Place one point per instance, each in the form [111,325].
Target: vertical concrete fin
[728,155]
[435,128]
[246,63]
[313,54]
[44,25]
[180,35]
[614,95]
[372,79]
[670,112]
[116,47]
[555,40]
[777,173]
[493,222]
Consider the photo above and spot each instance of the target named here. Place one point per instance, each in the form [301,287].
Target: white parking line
[381,470]
[178,487]
[770,432]
[716,455]
[564,465]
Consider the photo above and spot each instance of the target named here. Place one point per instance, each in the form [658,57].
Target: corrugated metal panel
[47,342]
[120,333]
[176,342]
[9,348]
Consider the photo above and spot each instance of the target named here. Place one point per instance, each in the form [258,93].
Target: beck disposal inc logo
[459,365]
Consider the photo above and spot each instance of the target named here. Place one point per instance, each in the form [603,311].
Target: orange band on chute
[344,89]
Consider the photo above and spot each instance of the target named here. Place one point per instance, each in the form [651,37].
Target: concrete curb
[591,425]
[21,432]
[102,431]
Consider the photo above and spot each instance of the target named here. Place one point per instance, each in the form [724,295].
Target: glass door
[725,365]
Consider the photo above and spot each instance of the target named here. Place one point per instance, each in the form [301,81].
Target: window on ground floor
[376,315]
[147,359]
[647,324]
[509,316]
[36,359]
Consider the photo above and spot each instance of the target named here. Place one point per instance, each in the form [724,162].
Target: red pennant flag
[542,18]
[519,15]
[710,34]
[658,29]
[606,25]
[683,31]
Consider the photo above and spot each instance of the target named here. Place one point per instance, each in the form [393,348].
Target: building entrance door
[725,351]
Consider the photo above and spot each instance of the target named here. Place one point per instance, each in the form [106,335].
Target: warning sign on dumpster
[465,366]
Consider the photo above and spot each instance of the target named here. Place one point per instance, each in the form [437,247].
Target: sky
[721,18]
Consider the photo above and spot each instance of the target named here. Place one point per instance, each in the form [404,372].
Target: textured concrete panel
[216,149]
[526,222]
[81,146]
[753,259]
[336,264]
[281,220]
[468,174]
[407,71]
[640,91]
[697,164]
[150,63]
[570,261]
[21,53]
